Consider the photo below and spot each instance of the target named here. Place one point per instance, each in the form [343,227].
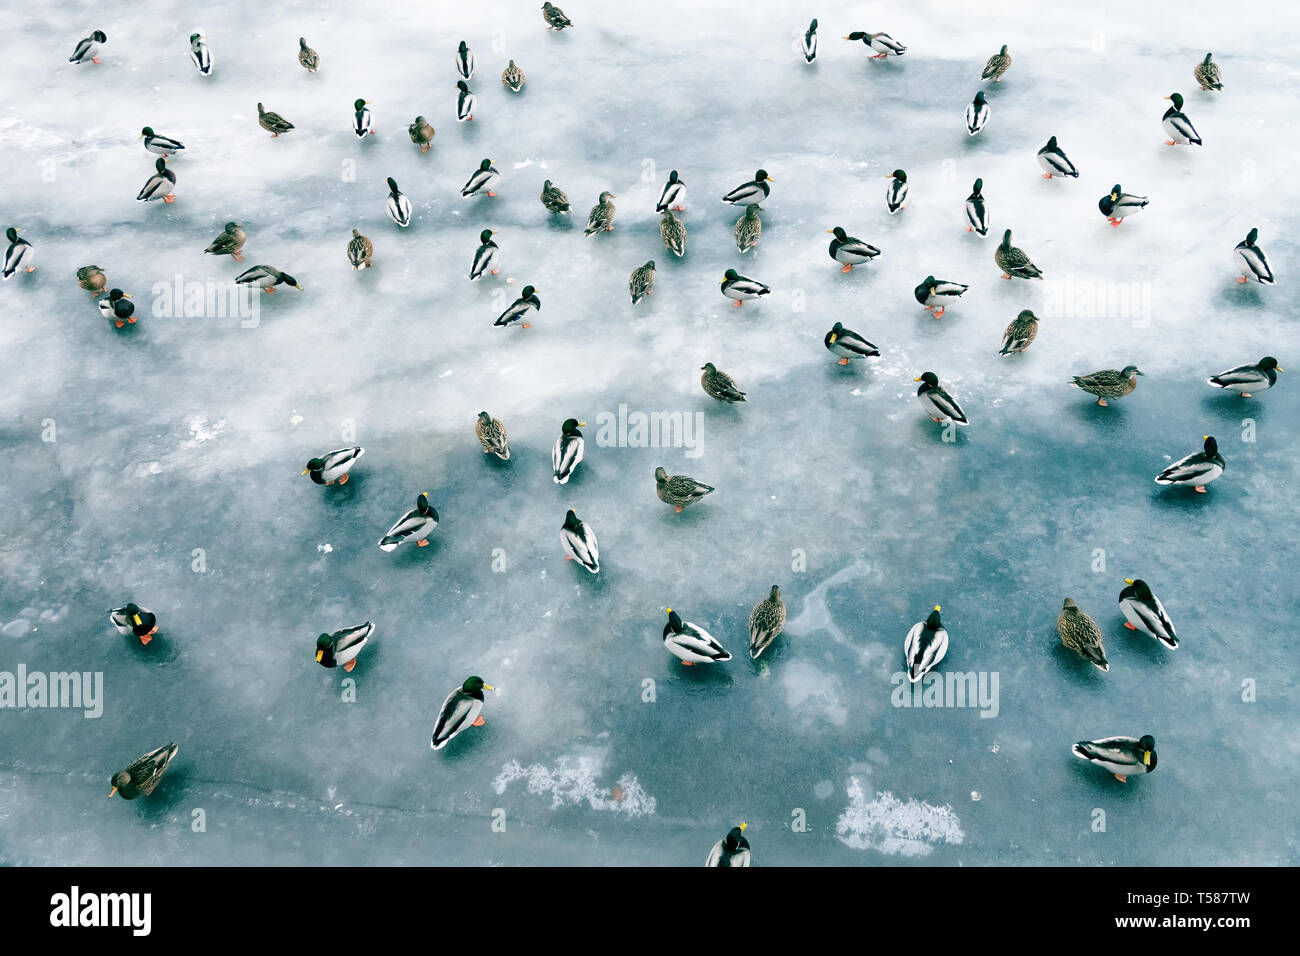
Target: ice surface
[190,432]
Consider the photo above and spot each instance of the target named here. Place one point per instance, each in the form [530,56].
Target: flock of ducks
[927,642]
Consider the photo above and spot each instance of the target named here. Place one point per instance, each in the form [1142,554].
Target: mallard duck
[720,385]
[465,102]
[754,191]
[977,114]
[642,281]
[334,465]
[678,491]
[1013,261]
[360,249]
[691,643]
[938,404]
[200,55]
[20,254]
[1177,126]
[416,525]
[580,542]
[998,64]
[748,228]
[229,242]
[464,61]
[162,145]
[88,48]
[117,308]
[462,709]
[482,180]
[932,293]
[808,45]
[1121,756]
[1020,333]
[568,451]
[673,195]
[340,649]
[925,646]
[1117,204]
[421,133]
[738,288]
[733,849]
[308,57]
[135,620]
[492,436]
[485,256]
[554,17]
[601,217]
[161,185]
[528,301]
[273,123]
[977,213]
[1245,379]
[673,232]
[1054,161]
[266,278]
[766,622]
[92,279]
[1108,383]
[362,125]
[513,77]
[848,344]
[1144,612]
[141,778]
[850,251]
[896,191]
[1081,634]
[1251,261]
[1208,75]
[398,206]
[1197,470]
[554,199]
[882,43]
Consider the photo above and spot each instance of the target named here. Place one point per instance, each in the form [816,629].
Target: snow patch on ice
[892,826]
[15,628]
[573,781]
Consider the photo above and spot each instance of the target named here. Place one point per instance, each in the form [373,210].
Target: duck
[678,491]
[938,404]
[998,64]
[200,55]
[1208,75]
[1020,333]
[399,207]
[1144,612]
[485,256]
[1197,470]
[161,185]
[642,281]
[273,123]
[88,48]
[1251,261]
[738,288]
[528,301]
[465,102]
[492,436]
[977,213]
[1247,379]
[1121,756]
[141,777]
[360,250]
[733,849]
[20,254]
[465,61]
[117,309]
[1081,634]
[554,199]
[162,145]
[554,17]
[340,648]
[896,191]
[932,292]
[1108,383]
[673,232]
[847,344]
[229,242]
[1054,161]
[362,125]
[808,45]
[692,644]
[849,250]
[673,195]
[1013,261]
[1177,126]
[266,278]
[462,709]
[601,217]
[977,114]
[1117,204]
[333,465]
[766,622]
[513,77]
[925,646]
[92,279]
[882,43]
[421,133]
[579,542]
[749,228]
[308,57]
[482,180]
[134,620]
[754,191]
[718,384]
[568,451]
[416,525]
